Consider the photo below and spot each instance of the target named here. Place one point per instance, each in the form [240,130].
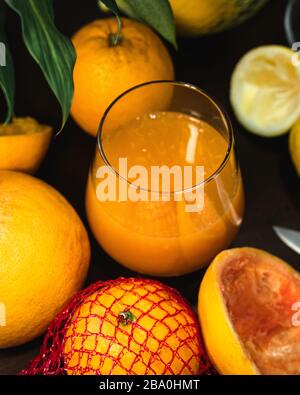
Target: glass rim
[225,119]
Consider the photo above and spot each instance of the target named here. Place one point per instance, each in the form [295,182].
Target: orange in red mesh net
[123,326]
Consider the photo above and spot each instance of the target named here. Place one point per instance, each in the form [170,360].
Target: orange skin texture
[44,255]
[102,72]
[163,337]
[23,145]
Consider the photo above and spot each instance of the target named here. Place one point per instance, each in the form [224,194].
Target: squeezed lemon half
[265,90]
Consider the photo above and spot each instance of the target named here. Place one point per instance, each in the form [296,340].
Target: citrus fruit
[44,255]
[132,326]
[247,310]
[23,144]
[196,17]
[105,68]
[294,145]
[265,90]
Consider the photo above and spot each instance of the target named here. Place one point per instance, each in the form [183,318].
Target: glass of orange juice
[164,193]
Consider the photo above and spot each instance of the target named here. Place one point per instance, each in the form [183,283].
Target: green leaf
[156,13]
[53,52]
[111,4]
[7,76]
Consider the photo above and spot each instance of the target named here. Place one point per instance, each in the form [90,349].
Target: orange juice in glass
[164,192]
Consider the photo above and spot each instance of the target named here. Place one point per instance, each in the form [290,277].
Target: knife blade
[289,237]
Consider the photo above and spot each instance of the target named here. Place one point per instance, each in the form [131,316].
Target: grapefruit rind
[224,346]
[222,343]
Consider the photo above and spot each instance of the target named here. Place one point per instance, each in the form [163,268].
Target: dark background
[271,185]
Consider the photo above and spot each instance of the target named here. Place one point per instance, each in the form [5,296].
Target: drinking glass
[174,227]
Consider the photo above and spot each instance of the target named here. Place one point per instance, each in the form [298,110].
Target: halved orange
[249,313]
[23,144]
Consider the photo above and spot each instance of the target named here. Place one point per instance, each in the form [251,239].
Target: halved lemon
[23,144]
[265,90]
[249,309]
[294,145]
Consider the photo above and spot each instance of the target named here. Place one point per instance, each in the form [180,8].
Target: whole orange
[44,256]
[104,69]
[132,326]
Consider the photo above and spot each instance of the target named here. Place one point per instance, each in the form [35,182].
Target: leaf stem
[126,317]
[114,38]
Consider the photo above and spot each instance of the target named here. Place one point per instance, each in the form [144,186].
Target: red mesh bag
[124,326]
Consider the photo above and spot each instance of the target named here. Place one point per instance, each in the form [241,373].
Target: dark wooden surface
[271,185]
